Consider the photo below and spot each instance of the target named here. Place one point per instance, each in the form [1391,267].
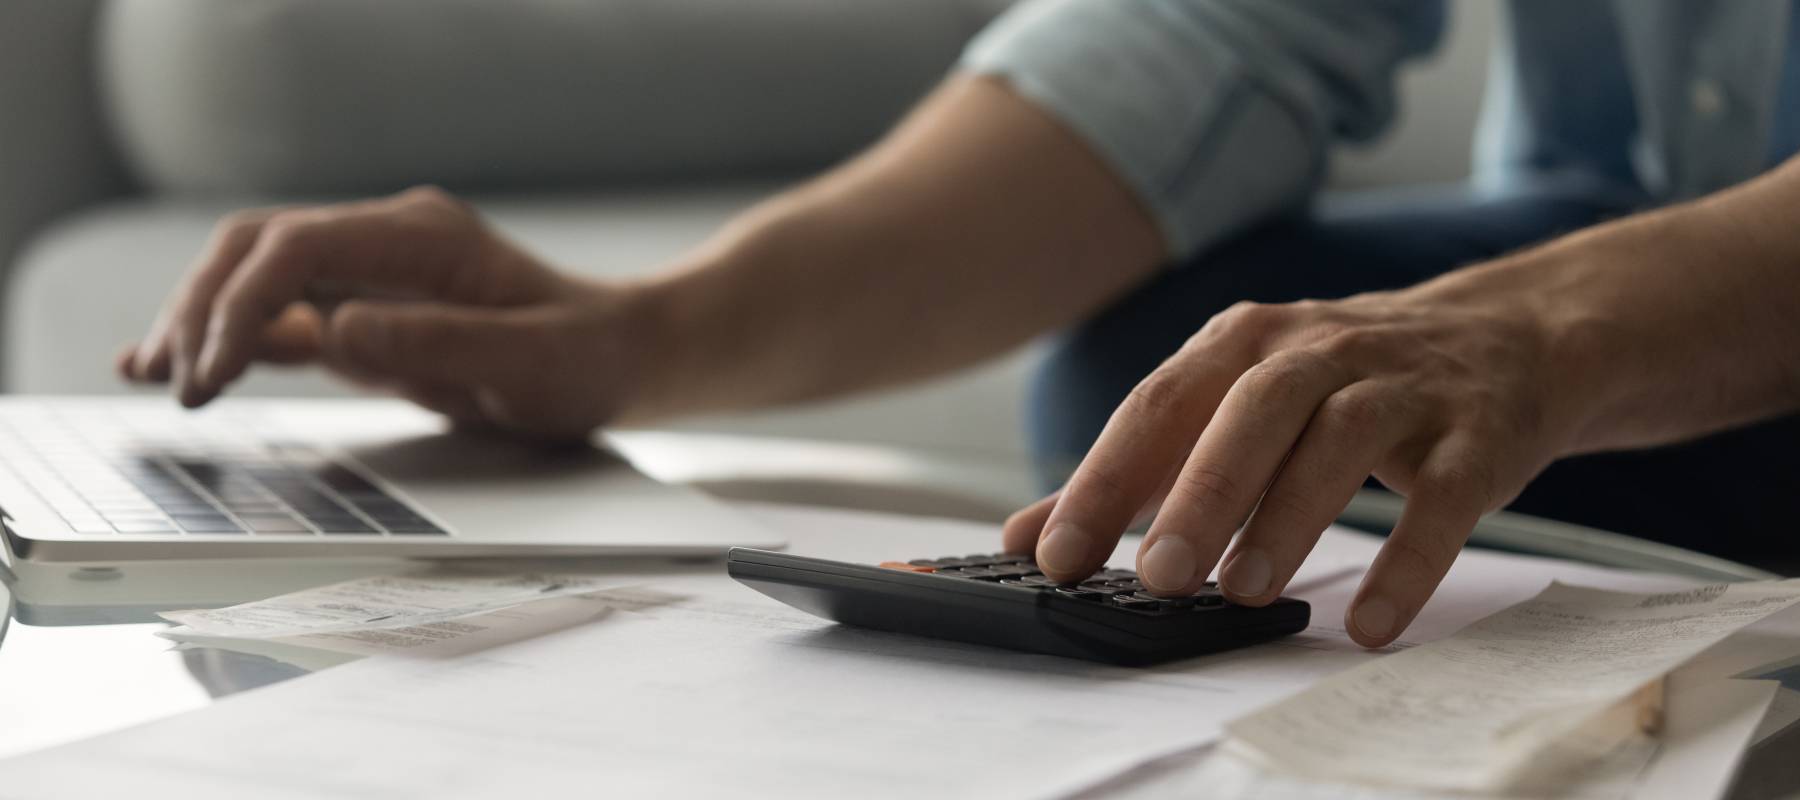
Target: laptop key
[274,523]
[144,527]
[207,524]
[342,478]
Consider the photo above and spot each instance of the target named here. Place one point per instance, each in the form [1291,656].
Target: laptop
[120,479]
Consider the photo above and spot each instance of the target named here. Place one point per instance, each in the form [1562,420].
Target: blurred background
[607,135]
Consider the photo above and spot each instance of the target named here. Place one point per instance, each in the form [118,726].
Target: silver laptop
[89,479]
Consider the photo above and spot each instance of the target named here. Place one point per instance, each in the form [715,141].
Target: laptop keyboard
[105,477]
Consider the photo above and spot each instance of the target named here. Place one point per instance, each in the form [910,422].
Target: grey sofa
[609,135]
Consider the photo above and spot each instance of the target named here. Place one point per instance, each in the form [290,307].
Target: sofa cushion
[93,283]
[350,95]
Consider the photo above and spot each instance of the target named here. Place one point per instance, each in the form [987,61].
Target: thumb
[410,342]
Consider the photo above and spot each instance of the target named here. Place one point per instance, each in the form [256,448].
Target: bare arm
[978,223]
[1695,326]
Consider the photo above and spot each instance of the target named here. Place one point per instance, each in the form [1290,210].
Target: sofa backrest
[331,96]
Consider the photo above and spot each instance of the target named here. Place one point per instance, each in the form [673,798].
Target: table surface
[86,668]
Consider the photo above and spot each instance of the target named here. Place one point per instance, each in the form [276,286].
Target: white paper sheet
[440,639]
[381,603]
[728,691]
[1710,721]
[1469,712]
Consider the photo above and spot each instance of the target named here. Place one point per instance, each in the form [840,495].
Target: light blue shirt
[1219,113]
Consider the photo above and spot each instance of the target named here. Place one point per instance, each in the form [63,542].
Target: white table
[79,668]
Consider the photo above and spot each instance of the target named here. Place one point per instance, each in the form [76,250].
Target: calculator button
[1105,588]
[1135,602]
[1012,570]
[1208,600]
[1130,586]
[1166,602]
[1013,558]
[921,562]
[1114,575]
[907,566]
[1079,593]
[1039,580]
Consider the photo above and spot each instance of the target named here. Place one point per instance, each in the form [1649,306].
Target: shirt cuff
[1165,103]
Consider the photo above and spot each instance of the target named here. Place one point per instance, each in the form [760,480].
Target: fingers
[1236,458]
[153,359]
[1021,531]
[1350,434]
[273,275]
[421,243]
[1145,440]
[295,337]
[430,343]
[1453,489]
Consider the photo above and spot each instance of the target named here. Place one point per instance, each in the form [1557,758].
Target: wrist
[619,327]
[1549,302]
[1623,330]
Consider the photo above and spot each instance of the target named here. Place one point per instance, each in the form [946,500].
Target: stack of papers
[1528,695]
[689,684]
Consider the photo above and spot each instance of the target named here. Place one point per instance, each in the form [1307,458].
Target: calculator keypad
[1117,588]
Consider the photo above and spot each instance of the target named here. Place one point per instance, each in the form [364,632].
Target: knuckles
[1160,393]
[238,224]
[434,200]
[288,232]
[1243,324]
[1354,411]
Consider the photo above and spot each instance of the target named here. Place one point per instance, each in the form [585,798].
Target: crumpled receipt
[1477,711]
[425,611]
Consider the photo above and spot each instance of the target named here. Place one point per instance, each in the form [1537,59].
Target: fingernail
[1248,574]
[1168,565]
[1374,618]
[1063,549]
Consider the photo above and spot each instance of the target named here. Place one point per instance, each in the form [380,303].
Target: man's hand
[412,294]
[1272,416]
[976,224]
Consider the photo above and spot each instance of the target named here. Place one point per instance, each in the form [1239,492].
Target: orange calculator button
[901,565]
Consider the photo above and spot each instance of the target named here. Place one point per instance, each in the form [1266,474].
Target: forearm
[979,223]
[1671,324]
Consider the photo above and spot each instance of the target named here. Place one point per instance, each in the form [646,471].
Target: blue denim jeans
[1736,494]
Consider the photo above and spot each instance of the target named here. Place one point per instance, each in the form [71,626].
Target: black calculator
[1004,601]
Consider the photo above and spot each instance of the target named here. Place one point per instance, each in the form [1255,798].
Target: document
[1471,712]
[724,689]
[380,603]
[442,639]
[1712,719]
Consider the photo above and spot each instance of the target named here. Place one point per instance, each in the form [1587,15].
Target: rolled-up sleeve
[1217,113]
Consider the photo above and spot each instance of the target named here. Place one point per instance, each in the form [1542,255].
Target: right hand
[412,294]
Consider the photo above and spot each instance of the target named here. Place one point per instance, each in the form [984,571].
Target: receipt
[383,603]
[1474,712]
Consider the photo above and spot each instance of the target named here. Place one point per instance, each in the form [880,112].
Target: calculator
[1003,600]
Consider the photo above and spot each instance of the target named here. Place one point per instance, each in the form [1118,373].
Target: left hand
[1452,393]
